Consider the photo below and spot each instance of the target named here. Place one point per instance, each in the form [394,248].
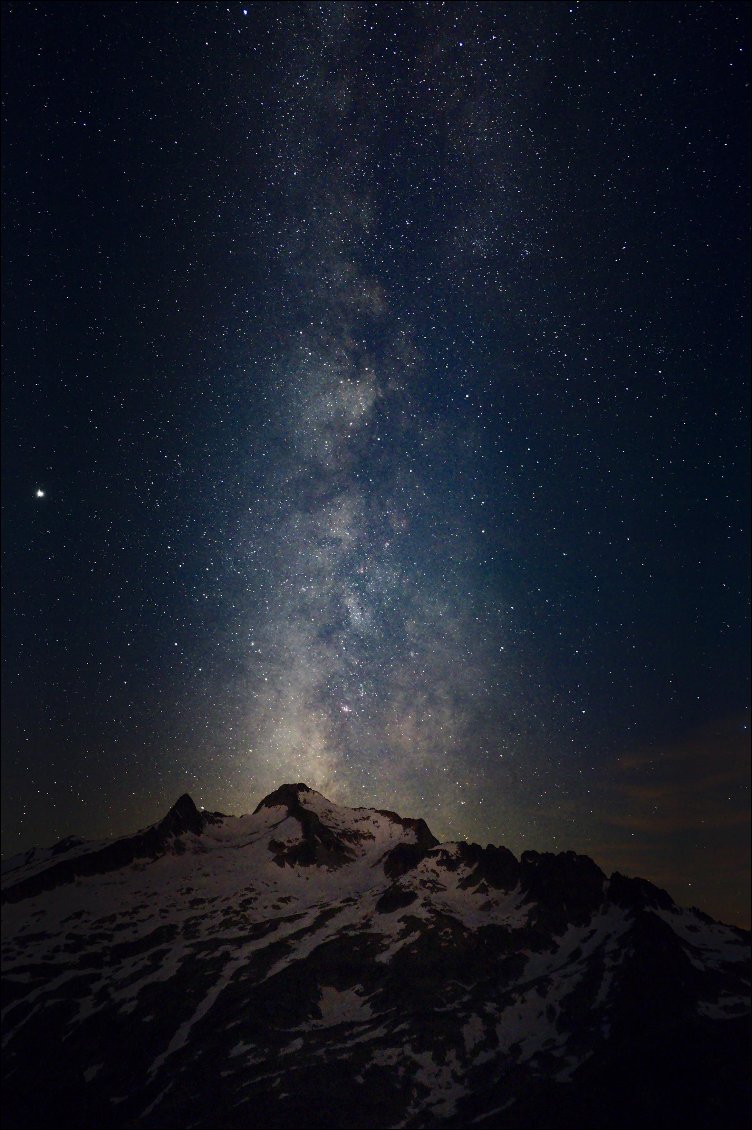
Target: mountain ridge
[495,865]
[336,966]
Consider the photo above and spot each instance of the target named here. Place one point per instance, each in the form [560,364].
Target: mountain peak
[286,796]
[182,817]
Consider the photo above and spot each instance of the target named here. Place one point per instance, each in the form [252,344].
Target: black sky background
[384,368]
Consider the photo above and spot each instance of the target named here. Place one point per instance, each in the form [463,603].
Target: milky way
[364,669]
[377,418]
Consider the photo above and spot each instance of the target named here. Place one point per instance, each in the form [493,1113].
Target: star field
[376,416]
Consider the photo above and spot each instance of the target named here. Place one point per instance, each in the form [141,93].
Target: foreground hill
[312,965]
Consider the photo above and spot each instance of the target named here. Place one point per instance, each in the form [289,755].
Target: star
[39,493]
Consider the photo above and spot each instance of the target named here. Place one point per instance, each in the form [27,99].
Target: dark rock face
[66,845]
[286,796]
[494,866]
[568,887]
[328,967]
[183,817]
[395,898]
[636,893]
[403,858]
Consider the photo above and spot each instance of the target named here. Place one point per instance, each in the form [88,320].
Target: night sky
[376,416]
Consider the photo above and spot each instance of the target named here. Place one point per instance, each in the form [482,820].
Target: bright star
[39,493]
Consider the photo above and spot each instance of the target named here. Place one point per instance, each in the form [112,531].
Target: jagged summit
[286,795]
[182,817]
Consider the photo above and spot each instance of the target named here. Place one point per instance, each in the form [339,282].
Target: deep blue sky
[384,371]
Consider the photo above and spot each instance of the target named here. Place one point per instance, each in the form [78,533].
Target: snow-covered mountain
[312,965]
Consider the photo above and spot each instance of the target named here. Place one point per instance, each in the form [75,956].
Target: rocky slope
[312,965]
